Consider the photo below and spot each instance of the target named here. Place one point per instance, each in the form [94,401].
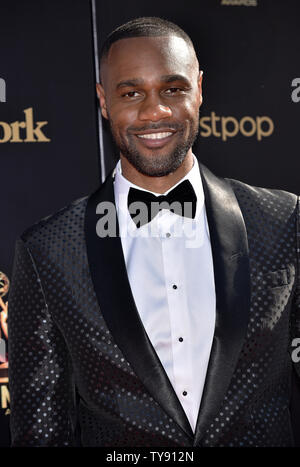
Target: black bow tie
[144,206]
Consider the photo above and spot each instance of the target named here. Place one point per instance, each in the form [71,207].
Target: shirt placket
[174,268]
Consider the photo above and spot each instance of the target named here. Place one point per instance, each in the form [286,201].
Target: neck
[156,184]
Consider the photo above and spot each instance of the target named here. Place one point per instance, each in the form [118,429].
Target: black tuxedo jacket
[82,368]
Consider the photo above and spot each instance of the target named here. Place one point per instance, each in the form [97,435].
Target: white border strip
[97,76]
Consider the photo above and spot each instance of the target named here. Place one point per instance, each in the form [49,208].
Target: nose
[152,110]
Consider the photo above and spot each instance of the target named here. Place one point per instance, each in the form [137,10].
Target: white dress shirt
[170,270]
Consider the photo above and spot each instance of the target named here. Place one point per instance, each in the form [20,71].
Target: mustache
[157,126]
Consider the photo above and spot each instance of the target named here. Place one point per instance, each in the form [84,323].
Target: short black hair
[146,26]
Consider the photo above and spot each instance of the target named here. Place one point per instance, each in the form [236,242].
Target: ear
[102,100]
[200,87]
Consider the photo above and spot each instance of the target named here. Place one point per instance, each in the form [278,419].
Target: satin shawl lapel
[111,284]
[232,281]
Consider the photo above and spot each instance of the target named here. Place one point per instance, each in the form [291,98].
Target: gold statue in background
[4,288]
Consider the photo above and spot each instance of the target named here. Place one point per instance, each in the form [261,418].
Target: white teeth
[156,135]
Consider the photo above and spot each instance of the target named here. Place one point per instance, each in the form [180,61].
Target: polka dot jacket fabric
[255,410]
[66,370]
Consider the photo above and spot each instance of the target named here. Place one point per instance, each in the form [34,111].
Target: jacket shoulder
[64,222]
[266,203]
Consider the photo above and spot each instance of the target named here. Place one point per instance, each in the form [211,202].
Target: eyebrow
[171,78]
[130,82]
[164,79]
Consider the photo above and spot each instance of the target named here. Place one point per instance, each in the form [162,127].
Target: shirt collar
[122,185]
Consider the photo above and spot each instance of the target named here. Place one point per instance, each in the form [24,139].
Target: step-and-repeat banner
[49,138]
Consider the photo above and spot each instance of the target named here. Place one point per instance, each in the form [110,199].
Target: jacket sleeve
[40,380]
[295,351]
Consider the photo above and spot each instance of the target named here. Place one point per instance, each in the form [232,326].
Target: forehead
[145,57]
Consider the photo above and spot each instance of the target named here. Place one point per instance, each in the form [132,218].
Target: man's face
[151,94]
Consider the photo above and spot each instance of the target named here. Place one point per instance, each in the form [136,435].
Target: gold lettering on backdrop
[229,127]
[15,130]
[31,132]
[6,130]
[4,287]
[233,124]
[251,130]
[214,120]
[12,132]
[5,397]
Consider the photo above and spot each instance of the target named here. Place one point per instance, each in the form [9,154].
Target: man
[167,326]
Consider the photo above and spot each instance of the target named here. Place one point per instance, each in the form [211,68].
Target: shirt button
[175,286]
[180,339]
[184,393]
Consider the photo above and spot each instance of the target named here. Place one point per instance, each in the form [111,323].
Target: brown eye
[131,94]
[173,90]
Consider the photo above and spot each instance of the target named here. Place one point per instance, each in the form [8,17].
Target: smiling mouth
[155,140]
[155,136]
